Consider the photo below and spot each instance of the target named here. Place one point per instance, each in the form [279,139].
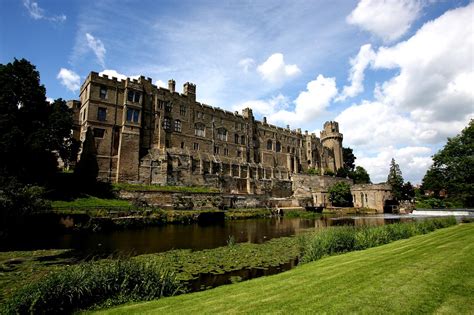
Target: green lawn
[432,273]
[90,202]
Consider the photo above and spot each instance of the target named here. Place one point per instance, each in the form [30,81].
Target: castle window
[269,145]
[278,146]
[287,149]
[133,96]
[242,140]
[293,150]
[182,145]
[160,104]
[200,130]
[99,133]
[200,115]
[168,107]
[182,110]
[236,138]
[101,114]
[196,146]
[103,92]
[177,125]
[226,151]
[133,115]
[216,150]
[166,124]
[222,134]
[239,153]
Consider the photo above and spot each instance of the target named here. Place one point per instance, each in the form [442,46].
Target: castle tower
[189,90]
[331,138]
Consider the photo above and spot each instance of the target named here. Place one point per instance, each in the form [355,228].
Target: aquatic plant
[99,283]
[336,240]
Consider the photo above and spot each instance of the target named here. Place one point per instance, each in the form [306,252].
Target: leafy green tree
[340,194]
[395,179]
[360,176]
[349,159]
[87,169]
[453,168]
[32,131]
[342,172]
[434,180]
[408,191]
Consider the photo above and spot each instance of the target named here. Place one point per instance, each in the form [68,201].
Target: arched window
[200,129]
[242,140]
[278,146]
[269,145]
[236,138]
[222,134]
[177,125]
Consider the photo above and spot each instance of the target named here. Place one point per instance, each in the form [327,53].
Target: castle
[153,135]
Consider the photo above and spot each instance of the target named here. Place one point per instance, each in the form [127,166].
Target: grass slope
[432,273]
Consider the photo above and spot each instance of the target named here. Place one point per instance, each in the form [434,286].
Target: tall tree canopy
[340,194]
[349,159]
[360,176]
[395,179]
[31,129]
[453,168]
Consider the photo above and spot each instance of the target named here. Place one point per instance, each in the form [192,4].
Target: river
[193,236]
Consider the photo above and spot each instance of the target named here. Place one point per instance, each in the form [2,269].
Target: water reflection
[193,236]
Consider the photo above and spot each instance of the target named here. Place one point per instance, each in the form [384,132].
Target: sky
[396,74]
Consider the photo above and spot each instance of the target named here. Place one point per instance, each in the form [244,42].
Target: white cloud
[97,47]
[387,19]
[69,79]
[310,103]
[246,64]
[114,73]
[356,76]
[265,107]
[434,84]
[413,161]
[37,13]
[429,99]
[274,69]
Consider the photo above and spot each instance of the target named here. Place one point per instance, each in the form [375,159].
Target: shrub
[100,283]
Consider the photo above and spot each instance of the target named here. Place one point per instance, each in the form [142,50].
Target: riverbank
[432,273]
[227,264]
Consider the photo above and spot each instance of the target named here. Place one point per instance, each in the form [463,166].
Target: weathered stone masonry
[148,134]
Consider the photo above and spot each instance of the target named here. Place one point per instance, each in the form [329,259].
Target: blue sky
[396,74]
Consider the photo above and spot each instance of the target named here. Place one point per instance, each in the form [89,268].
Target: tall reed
[336,240]
[100,283]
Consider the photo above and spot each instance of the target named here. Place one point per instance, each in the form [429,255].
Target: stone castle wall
[148,134]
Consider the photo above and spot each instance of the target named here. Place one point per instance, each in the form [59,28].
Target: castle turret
[331,138]
[172,85]
[189,90]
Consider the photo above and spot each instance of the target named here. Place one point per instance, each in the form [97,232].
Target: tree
[453,168]
[434,180]
[408,191]
[87,168]
[32,131]
[360,176]
[349,159]
[395,179]
[340,194]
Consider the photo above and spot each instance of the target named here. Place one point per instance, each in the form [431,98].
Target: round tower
[331,138]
